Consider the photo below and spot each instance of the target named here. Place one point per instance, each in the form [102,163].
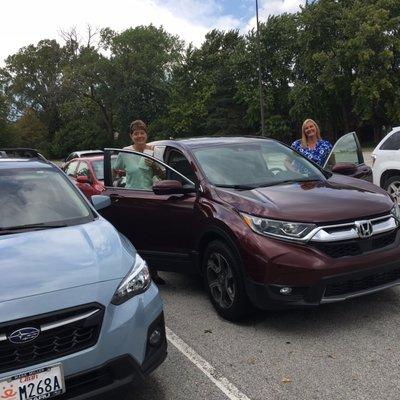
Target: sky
[26,22]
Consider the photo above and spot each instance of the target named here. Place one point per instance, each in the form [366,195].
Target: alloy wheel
[221,280]
[394,190]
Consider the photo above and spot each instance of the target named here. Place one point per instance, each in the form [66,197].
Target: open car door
[157,214]
[346,158]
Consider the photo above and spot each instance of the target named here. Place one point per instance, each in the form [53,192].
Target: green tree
[30,131]
[278,38]
[33,79]
[6,136]
[372,33]
[142,60]
[204,89]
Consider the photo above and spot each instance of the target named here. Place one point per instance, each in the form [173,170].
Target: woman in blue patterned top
[311,145]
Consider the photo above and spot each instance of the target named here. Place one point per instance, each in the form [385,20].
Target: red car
[261,223]
[87,173]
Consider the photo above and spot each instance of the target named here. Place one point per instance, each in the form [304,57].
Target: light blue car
[79,314]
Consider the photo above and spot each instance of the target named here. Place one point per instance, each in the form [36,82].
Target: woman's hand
[150,163]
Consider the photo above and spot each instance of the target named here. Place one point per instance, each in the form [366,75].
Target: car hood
[43,261]
[337,199]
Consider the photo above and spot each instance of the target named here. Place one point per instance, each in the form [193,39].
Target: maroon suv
[261,223]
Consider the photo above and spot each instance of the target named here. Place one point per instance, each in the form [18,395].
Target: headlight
[395,211]
[137,281]
[280,229]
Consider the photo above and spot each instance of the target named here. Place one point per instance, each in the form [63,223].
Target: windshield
[255,164]
[31,197]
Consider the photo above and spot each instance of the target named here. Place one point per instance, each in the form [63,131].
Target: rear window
[41,196]
[392,142]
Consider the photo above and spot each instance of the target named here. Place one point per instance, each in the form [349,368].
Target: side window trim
[107,166]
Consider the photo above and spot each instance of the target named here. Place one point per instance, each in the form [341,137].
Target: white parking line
[230,390]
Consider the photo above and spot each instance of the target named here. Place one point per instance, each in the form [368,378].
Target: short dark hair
[136,125]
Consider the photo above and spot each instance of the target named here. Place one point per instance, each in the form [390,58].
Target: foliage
[337,61]
[30,131]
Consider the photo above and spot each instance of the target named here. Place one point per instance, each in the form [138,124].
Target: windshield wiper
[288,181]
[20,228]
[266,184]
[238,187]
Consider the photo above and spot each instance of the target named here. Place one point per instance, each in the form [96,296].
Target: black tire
[223,281]
[392,186]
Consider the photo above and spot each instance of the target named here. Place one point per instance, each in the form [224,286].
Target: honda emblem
[364,229]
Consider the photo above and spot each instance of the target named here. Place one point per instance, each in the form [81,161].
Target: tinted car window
[345,150]
[257,164]
[39,196]
[392,142]
[135,171]
[179,162]
[70,168]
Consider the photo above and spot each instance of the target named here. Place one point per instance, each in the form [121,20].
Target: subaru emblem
[364,229]
[24,335]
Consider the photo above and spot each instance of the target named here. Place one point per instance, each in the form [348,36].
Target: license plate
[40,384]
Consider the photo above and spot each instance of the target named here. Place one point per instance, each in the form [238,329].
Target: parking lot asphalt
[346,350]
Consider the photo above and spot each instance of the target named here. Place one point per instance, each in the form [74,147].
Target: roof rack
[20,152]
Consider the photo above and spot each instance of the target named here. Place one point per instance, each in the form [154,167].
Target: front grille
[360,284]
[358,246]
[63,332]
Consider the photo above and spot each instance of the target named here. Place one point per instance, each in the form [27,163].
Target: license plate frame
[10,386]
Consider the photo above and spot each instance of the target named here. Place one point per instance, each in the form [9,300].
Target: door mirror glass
[173,187]
[168,187]
[100,201]
[346,150]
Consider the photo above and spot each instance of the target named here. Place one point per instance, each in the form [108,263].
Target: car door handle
[115,198]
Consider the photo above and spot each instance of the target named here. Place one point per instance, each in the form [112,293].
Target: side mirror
[172,187]
[100,201]
[344,168]
[168,187]
[82,179]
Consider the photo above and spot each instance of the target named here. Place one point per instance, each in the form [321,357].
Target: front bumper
[125,332]
[314,276]
[329,289]
[111,378]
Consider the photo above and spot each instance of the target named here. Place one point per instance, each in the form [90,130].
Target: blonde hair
[303,134]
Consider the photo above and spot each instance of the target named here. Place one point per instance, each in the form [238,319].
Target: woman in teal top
[138,174]
[139,171]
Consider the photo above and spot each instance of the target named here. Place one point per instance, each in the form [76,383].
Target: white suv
[386,163]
